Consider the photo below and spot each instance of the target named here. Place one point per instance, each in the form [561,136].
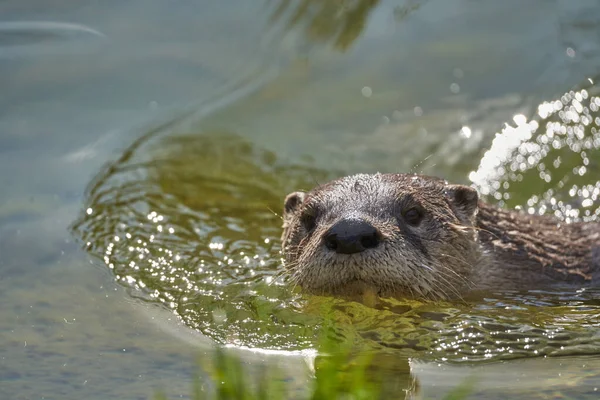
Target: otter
[417,236]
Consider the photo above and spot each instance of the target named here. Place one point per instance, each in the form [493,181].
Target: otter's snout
[351,235]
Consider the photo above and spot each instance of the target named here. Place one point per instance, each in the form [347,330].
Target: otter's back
[539,249]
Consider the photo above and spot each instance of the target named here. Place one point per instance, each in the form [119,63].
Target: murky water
[146,148]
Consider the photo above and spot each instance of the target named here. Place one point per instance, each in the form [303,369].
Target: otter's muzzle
[351,235]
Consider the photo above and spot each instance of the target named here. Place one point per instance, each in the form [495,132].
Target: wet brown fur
[462,244]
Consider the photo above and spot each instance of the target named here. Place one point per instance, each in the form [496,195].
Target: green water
[145,154]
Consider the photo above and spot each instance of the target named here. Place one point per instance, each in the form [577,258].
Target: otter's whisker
[463,278]
[420,163]
[274,213]
[450,286]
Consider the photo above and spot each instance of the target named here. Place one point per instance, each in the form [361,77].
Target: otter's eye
[309,219]
[413,216]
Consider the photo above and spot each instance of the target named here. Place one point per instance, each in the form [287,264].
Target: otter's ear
[292,202]
[463,200]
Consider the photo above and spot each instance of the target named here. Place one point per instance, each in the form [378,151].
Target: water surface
[146,148]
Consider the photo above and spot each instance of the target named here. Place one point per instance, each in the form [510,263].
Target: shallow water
[151,144]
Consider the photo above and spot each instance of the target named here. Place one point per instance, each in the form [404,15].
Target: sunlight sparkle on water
[465,132]
[567,128]
[216,246]
[491,167]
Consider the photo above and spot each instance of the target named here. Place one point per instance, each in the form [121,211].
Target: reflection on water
[550,164]
[187,221]
[26,32]
[339,22]
[190,220]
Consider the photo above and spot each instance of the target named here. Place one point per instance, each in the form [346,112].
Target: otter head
[395,235]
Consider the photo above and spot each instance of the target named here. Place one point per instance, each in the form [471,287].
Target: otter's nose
[351,236]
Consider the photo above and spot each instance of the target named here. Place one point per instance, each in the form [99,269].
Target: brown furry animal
[400,235]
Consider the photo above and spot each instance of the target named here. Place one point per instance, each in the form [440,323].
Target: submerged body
[399,235]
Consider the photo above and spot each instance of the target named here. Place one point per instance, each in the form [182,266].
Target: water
[146,148]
